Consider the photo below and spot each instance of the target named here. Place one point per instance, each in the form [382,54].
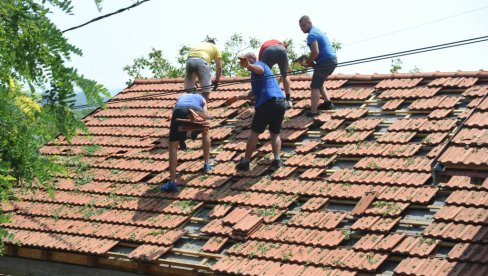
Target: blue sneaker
[206,167]
[169,187]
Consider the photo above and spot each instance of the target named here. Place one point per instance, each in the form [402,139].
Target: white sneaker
[288,104]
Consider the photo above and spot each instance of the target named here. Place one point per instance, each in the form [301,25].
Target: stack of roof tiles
[355,194]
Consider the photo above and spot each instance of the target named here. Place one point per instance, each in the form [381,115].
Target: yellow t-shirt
[205,50]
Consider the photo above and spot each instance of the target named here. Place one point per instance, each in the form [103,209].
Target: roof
[356,193]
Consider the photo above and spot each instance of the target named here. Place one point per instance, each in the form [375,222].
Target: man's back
[206,51]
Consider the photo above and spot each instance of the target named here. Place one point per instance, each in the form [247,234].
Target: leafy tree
[396,65]
[234,47]
[34,54]
[154,63]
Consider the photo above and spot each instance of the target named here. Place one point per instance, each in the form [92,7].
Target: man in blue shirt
[324,56]
[269,109]
[185,102]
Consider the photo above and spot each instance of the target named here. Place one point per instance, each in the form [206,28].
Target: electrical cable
[297,72]
[106,16]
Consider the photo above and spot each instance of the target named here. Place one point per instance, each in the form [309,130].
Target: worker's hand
[304,63]
[215,85]
[231,100]
[244,62]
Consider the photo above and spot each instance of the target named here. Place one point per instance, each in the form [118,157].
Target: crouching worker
[189,114]
[269,108]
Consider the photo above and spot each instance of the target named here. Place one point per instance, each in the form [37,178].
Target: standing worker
[185,106]
[274,52]
[324,56]
[269,109]
[198,65]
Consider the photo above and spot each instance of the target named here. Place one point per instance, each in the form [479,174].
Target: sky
[365,28]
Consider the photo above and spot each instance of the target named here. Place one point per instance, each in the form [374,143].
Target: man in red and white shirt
[274,52]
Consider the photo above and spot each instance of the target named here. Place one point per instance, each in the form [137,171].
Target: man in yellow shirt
[198,65]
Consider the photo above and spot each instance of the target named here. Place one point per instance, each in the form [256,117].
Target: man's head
[305,23]
[251,57]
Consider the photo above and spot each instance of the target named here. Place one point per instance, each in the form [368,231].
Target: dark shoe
[277,163]
[327,106]
[194,134]
[311,114]
[242,166]
[169,187]
[182,145]
[206,168]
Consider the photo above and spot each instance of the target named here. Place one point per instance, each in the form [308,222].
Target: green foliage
[336,45]
[155,63]
[396,65]
[34,52]
[234,47]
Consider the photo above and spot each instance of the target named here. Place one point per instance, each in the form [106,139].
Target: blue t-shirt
[190,100]
[264,87]
[326,52]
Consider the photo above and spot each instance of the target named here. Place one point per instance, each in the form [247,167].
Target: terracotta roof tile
[416,246]
[469,252]
[398,83]
[468,198]
[413,164]
[348,135]
[314,204]
[332,124]
[457,232]
[437,102]
[472,136]
[453,82]
[301,122]
[376,149]
[401,137]
[380,177]
[456,155]
[354,94]
[464,183]
[375,224]
[479,119]
[435,138]
[214,244]
[476,91]
[439,113]
[386,209]
[423,125]
[365,124]
[312,173]
[363,203]
[148,253]
[413,93]
[307,147]
[349,113]
[392,104]
[462,214]
[320,220]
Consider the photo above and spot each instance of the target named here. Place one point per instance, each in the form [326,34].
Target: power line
[342,64]
[415,26]
[107,15]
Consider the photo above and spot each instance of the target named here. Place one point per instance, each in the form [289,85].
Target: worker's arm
[234,99]
[314,52]
[218,69]
[205,109]
[244,62]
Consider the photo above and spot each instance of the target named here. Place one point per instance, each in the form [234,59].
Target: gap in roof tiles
[203,212]
[349,242]
[440,199]
[442,251]
[183,258]
[374,107]
[121,249]
[418,214]
[193,227]
[149,177]
[413,230]
[423,151]
[387,268]
[341,164]
[347,105]
[189,244]
[339,207]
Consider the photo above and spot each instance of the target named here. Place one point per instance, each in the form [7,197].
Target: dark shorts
[271,114]
[182,113]
[322,71]
[276,54]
